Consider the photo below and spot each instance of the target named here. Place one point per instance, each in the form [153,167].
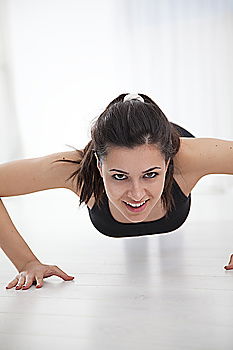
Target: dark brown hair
[125,124]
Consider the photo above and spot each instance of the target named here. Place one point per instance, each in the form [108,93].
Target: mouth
[135,208]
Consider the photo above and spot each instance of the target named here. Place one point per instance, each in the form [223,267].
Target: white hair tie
[133,97]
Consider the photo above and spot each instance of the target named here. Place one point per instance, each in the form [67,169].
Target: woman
[135,176]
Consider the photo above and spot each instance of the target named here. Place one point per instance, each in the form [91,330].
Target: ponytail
[87,173]
[126,124]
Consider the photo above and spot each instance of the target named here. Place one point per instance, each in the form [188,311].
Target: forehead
[143,154]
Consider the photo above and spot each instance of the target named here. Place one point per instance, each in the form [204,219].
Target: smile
[136,207]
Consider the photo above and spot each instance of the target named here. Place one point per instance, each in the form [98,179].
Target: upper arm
[37,174]
[204,156]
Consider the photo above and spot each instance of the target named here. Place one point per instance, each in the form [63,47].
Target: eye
[151,175]
[117,178]
[121,177]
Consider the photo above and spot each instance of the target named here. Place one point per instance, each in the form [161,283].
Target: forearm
[11,241]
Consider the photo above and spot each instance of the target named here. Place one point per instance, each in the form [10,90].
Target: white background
[62,62]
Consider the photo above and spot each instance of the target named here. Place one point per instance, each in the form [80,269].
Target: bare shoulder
[183,159]
[61,166]
[183,174]
[37,174]
[199,157]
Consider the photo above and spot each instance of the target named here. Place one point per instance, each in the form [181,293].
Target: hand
[230,264]
[34,272]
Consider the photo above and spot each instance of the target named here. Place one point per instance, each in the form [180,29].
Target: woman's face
[134,179]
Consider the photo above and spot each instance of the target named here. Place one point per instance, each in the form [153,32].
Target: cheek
[161,183]
[113,189]
[157,189]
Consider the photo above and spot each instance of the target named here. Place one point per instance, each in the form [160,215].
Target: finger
[58,272]
[12,283]
[39,281]
[231,260]
[28,282]
[230,264]
[20,282]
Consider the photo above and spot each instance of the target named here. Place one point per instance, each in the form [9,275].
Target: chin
[136,220]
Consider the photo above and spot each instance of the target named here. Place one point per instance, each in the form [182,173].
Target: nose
[136,191]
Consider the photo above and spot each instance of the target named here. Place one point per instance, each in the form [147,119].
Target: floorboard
[164,292]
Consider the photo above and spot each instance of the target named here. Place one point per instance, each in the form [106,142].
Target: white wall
[10,137]
[68,59]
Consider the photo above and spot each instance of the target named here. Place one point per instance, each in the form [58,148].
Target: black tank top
[104,222]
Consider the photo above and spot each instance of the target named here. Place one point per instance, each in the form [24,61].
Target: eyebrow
[143,172]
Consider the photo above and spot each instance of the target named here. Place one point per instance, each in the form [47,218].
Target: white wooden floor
[164,292]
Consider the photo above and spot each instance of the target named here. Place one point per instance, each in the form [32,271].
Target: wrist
[22,266]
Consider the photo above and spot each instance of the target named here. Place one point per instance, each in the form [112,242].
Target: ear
[167,165]
[99,165]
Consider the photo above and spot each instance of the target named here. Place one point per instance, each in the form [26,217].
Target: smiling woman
[130,140]
[125,124]
[132,206]
[135,176]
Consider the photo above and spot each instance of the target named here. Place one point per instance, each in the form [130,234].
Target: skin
[135,186]
[196,158]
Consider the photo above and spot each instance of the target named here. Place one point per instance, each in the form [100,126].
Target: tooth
[136,205]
